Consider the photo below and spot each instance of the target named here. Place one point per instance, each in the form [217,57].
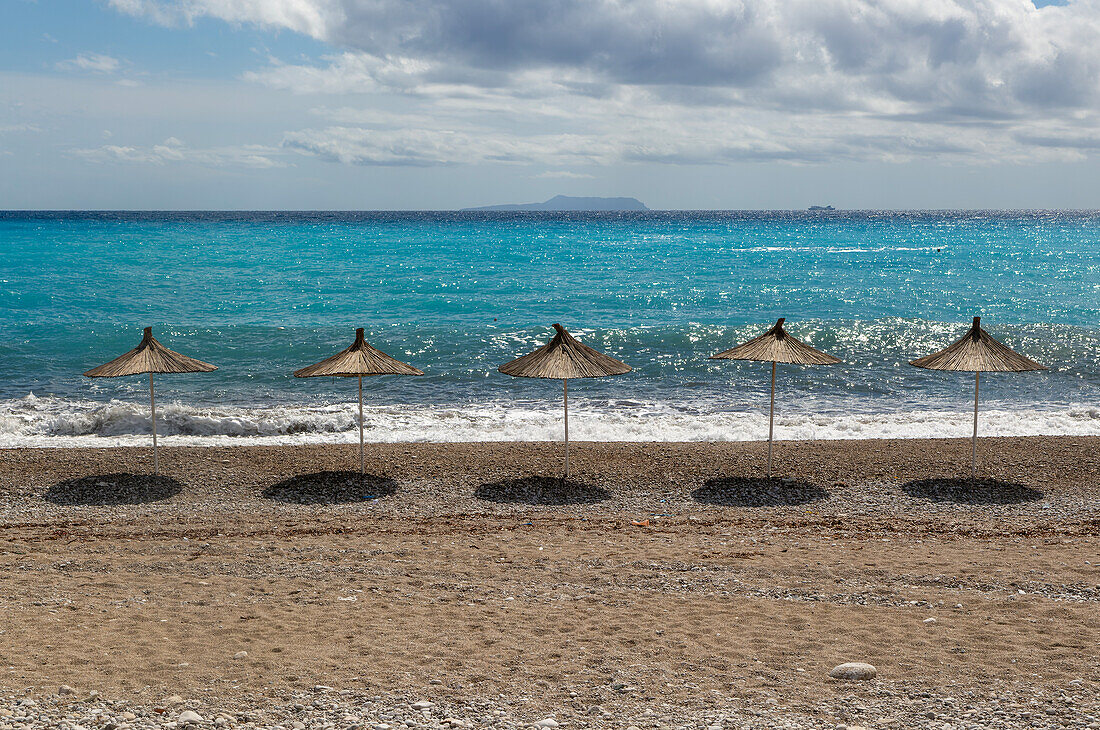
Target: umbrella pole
[565,391]
[974,438]
[771,423]
[153,410]
[362,460]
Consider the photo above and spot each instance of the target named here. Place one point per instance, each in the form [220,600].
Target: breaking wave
[39,422]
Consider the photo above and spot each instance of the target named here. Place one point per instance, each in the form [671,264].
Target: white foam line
[50,422]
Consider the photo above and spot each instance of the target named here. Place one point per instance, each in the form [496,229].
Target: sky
[442,104]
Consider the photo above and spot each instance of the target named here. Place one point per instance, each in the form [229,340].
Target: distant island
[566,202]
[822,207]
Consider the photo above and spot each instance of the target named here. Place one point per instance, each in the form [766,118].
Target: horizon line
[4,211]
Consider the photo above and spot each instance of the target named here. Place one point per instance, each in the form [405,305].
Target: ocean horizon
[456,294]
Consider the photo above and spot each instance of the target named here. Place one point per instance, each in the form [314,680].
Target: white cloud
[173,150]
[310,17]
[563,175]
[94,62]
[684,81]
[934,52]
[659,136]
[433,147]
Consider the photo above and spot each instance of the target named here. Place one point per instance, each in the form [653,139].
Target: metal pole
[153,408]
[771,423]
[974,438]
[565,390]
[362,461]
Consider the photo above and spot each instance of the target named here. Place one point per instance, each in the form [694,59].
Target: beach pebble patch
[854,671]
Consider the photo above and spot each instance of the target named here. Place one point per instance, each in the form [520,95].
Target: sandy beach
[666,585]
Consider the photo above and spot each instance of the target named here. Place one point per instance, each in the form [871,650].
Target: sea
[260,294]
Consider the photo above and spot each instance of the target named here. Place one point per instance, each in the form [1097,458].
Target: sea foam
[44,422]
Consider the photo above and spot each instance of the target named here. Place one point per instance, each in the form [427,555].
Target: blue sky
[414,104]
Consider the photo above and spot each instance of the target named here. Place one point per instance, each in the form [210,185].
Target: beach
[647,365]
[665,585]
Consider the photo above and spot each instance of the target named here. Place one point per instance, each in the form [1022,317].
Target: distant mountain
[565,202]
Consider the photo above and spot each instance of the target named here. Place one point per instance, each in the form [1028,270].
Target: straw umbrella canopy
[564,358]
[150,357]
[978,353]
[776,346]
[354,362]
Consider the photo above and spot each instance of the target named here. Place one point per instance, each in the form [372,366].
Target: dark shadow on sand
[541,490]
[749,492]
[106,490]
[330,487]
[971,491]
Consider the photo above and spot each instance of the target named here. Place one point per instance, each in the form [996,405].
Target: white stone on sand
[854,671]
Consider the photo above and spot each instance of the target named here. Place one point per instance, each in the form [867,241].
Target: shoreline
[49,422]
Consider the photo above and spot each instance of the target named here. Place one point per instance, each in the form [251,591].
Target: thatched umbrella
[977,352]
[776,346]
[150,357]
[356,361]
[564,358]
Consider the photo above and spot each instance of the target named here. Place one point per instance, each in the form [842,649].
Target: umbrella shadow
[541,491]
[755,492]
[971,491]
[106,490]
[330,487]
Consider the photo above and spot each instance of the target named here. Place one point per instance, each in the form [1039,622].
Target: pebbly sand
[665,585]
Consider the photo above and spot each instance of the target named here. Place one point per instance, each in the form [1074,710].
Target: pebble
[897,703]
[422,705]
[853,671]
[892,703]
[241,655]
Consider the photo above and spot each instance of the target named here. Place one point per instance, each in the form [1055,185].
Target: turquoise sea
[457,294]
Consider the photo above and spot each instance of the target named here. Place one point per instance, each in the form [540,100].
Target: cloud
[683,81]
[94,62]
[602,134]
[1001,51]
[433,147]
[564,175]
[1065,141]
[173,151]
